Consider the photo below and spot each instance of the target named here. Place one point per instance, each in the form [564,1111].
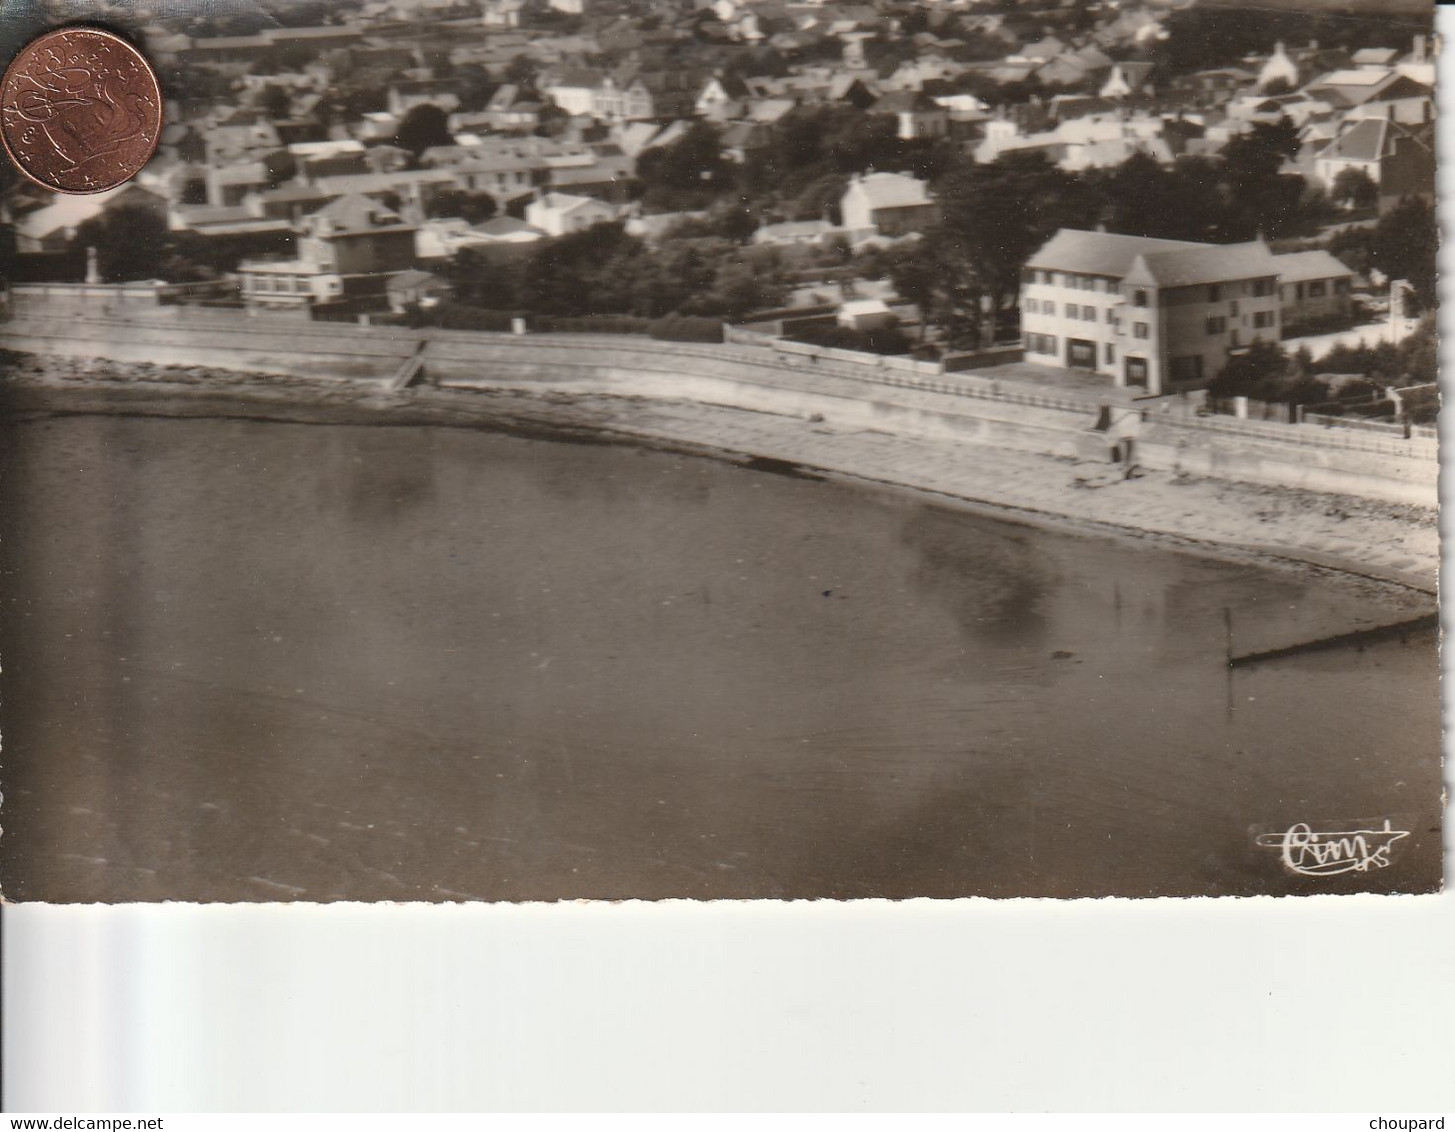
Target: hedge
[683,328]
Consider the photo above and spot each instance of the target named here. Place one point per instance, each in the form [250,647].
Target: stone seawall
[965,407]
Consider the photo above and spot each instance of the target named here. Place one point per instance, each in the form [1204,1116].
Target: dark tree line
[605,271]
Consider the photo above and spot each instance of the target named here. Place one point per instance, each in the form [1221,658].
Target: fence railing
[1419,449]
[1381,428]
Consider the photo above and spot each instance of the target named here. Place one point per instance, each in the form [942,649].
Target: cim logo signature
[1326,853]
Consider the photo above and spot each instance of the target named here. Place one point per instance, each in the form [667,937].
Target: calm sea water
[257,661]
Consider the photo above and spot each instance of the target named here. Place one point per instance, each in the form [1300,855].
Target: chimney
[93,270]
[1419,49]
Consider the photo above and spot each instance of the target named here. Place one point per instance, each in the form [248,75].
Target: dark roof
[1207,263]
[355,213]
[413,278]
[905,102]
[1365,141]
[503,226]
[1099,253]
[1295,267]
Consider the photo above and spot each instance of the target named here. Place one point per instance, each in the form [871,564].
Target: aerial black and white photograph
[540,450]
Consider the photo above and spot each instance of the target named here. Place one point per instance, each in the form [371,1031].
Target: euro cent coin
[80,110]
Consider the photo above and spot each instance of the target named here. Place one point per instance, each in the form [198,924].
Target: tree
[423,126]
[474,208]
[1353,188]
[131,242]
[1418,355]
[687,173]
[917,278]
[475,87]
[1260,198]
[1405,242]
[739,287]
[994,216]
[1261,371]
[1145,198]
[580,273]
[281,166]
[521,70]
[275,102]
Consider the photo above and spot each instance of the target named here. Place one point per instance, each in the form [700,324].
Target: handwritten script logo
[1328,853]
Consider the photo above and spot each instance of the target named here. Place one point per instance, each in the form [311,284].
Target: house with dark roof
[1159,315]
[1399,159]
[916,114]
[347,252]
[1405,101]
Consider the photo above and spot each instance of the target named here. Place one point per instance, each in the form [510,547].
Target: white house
[1156,314]
[557,214]
[1278,67]
[890,204]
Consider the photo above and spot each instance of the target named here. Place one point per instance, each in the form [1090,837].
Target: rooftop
[1204,263]
[890,190]
[1295,267]
[1100,253]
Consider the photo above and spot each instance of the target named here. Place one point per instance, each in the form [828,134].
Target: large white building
[1160,315]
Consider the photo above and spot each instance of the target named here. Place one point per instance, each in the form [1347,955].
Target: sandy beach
[1358,538]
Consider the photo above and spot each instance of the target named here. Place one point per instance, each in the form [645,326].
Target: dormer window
[1139,298]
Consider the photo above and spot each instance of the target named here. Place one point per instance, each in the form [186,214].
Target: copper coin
[80,110]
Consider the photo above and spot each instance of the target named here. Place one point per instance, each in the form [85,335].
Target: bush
[457,316]
[1423,405]
[590,324]
[682,328]
[887,340]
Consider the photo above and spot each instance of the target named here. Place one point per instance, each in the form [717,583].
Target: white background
[1266,1005]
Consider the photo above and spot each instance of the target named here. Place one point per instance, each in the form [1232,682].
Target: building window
[1041,277]
[1031,306]
[1088,314]
[1139,298]
[1214,293]
[1111,352]
[1262,287]
[1185,369]
[1317,290]
[1234,306]
[1216,324]
[1341,286]
[1298,291]
[1139,330]
[1262,320]
[1110,315]
[1048,307]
